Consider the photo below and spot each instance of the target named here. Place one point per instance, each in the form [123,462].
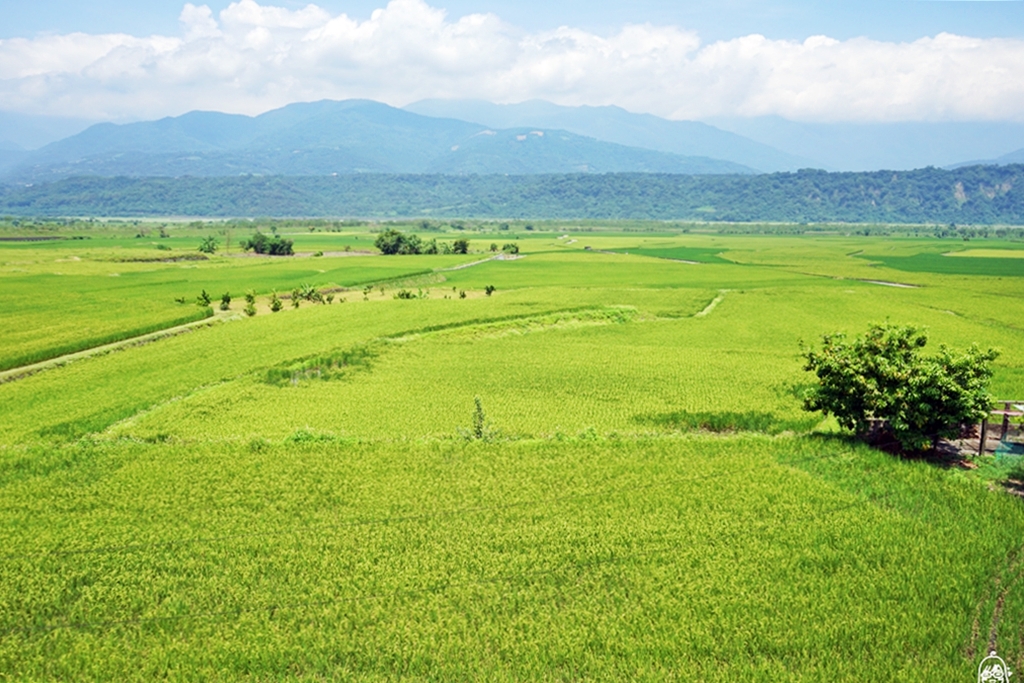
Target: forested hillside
[977,194]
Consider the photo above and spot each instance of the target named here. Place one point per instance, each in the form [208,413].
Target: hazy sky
[871,60]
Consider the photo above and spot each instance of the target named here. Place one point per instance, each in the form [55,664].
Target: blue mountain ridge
[338,137]
[615,124]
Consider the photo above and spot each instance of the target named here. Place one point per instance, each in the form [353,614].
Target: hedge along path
[26,370]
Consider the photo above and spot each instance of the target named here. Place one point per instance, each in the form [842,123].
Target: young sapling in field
[225,301]
[208,245]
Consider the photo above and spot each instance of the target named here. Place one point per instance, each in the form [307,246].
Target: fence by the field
[1010,431]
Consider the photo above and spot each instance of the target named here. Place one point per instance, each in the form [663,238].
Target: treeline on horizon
[975,195]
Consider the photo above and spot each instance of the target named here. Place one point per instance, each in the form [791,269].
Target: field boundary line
[141,340]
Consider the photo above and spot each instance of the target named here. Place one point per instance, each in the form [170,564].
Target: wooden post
[984,435]
[1006,421]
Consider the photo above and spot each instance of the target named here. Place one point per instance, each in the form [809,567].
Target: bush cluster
[273,246]
[392,242]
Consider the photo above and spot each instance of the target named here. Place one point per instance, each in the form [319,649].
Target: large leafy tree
[884,379]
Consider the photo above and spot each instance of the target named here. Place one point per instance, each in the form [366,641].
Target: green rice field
[600,470]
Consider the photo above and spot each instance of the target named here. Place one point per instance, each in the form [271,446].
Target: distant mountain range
[1016,157]
[614,124]
[767,143]
[329,137]
[878,146]
[476,137]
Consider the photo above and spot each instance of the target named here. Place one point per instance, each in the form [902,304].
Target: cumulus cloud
[252,57]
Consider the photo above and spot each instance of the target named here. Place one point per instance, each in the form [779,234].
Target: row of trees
[393,241]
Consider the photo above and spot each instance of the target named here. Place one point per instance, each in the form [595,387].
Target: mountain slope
[1015,157]
[614,124]
[26,131]
[874,146]
[327,137]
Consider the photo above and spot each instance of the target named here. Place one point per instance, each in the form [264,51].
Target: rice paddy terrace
[598,470]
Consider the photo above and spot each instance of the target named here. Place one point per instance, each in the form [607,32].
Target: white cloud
[254,57]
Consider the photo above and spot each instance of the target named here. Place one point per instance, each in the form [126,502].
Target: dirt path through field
[26,370]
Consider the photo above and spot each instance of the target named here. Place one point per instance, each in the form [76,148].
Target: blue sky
[832,61]
[897,20]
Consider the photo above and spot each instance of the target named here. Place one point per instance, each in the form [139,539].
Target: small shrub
[258,445]
[310,293]
[511,248]
[308,436]
[250,309]
[208,245]
[250,297]
[489,289]
[462,294]
[405,294]
[460,246]
[203,299]
[225,301]
[275,303]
